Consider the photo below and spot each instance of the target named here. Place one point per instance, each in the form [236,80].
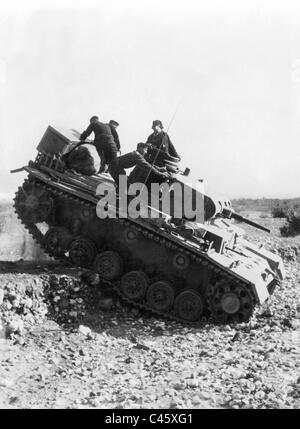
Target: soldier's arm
[149,139]
[172,150]
[116,137]
[86,133]
[140,161]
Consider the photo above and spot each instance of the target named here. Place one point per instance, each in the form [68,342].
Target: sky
[229,71]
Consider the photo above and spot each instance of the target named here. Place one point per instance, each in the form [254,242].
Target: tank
[181,269]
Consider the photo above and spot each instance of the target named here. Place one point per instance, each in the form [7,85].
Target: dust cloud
[15,241]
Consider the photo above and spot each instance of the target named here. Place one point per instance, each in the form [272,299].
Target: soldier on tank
[113,125]
[136,159]
[104,141]
[159,139]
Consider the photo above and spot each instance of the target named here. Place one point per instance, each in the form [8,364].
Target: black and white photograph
[149,207]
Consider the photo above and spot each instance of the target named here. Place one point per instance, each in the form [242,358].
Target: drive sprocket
[33,203]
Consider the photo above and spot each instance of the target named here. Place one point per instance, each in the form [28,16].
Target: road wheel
[160,296]
[82,252]
[57,241]
[108,265]
[134,285]
[189,306]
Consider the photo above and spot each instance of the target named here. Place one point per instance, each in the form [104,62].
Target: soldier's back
[101,129]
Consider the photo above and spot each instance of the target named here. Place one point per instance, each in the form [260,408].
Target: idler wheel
[134,285]
[189,306]
[33,203]
[230,302]
[108,265]
[57,240]
[82,252]
[160,296]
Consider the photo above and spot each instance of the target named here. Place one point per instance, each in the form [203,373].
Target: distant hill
[263,204]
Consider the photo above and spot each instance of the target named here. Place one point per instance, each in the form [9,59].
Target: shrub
[279,211]
[293,223]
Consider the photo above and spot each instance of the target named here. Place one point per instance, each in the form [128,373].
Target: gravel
[66,343]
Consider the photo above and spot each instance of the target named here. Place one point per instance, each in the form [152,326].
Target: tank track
[114,285]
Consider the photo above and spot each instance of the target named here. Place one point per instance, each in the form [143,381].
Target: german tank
[182,270]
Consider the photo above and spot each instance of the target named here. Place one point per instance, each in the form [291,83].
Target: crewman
[113,128]
[104,141]
[131,159]
[159,139]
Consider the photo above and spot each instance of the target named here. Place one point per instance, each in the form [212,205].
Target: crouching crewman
[134,159]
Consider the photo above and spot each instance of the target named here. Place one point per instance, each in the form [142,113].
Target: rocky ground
[69,345]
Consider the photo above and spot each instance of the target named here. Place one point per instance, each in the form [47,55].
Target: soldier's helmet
[156,123]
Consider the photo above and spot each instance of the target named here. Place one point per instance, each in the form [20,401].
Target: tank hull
[185,279]
[184,272]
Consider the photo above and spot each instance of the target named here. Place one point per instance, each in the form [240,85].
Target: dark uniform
[162,140]
[129,160]
[104,140]
[115,136]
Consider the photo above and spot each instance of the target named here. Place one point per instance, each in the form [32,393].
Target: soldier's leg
[103,162]
[110,155]
[116,171]
[99,149]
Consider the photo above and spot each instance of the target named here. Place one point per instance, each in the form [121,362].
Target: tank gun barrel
[230,214]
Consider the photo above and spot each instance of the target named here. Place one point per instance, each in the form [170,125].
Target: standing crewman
[113,125]
[132,159]
[104,141]
[159,139]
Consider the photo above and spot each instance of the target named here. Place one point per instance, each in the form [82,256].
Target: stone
[295,323]
[267,313]
[8,305]
[141,346]
[28,303]
[85,330]
[73,314]
[236,373]
[178,386]
[259,395]
[193,383]
[20,340]
[237,337]
[82,352]
[6,382]
[16,303]
[1,296]
[2,330]
[15,326]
